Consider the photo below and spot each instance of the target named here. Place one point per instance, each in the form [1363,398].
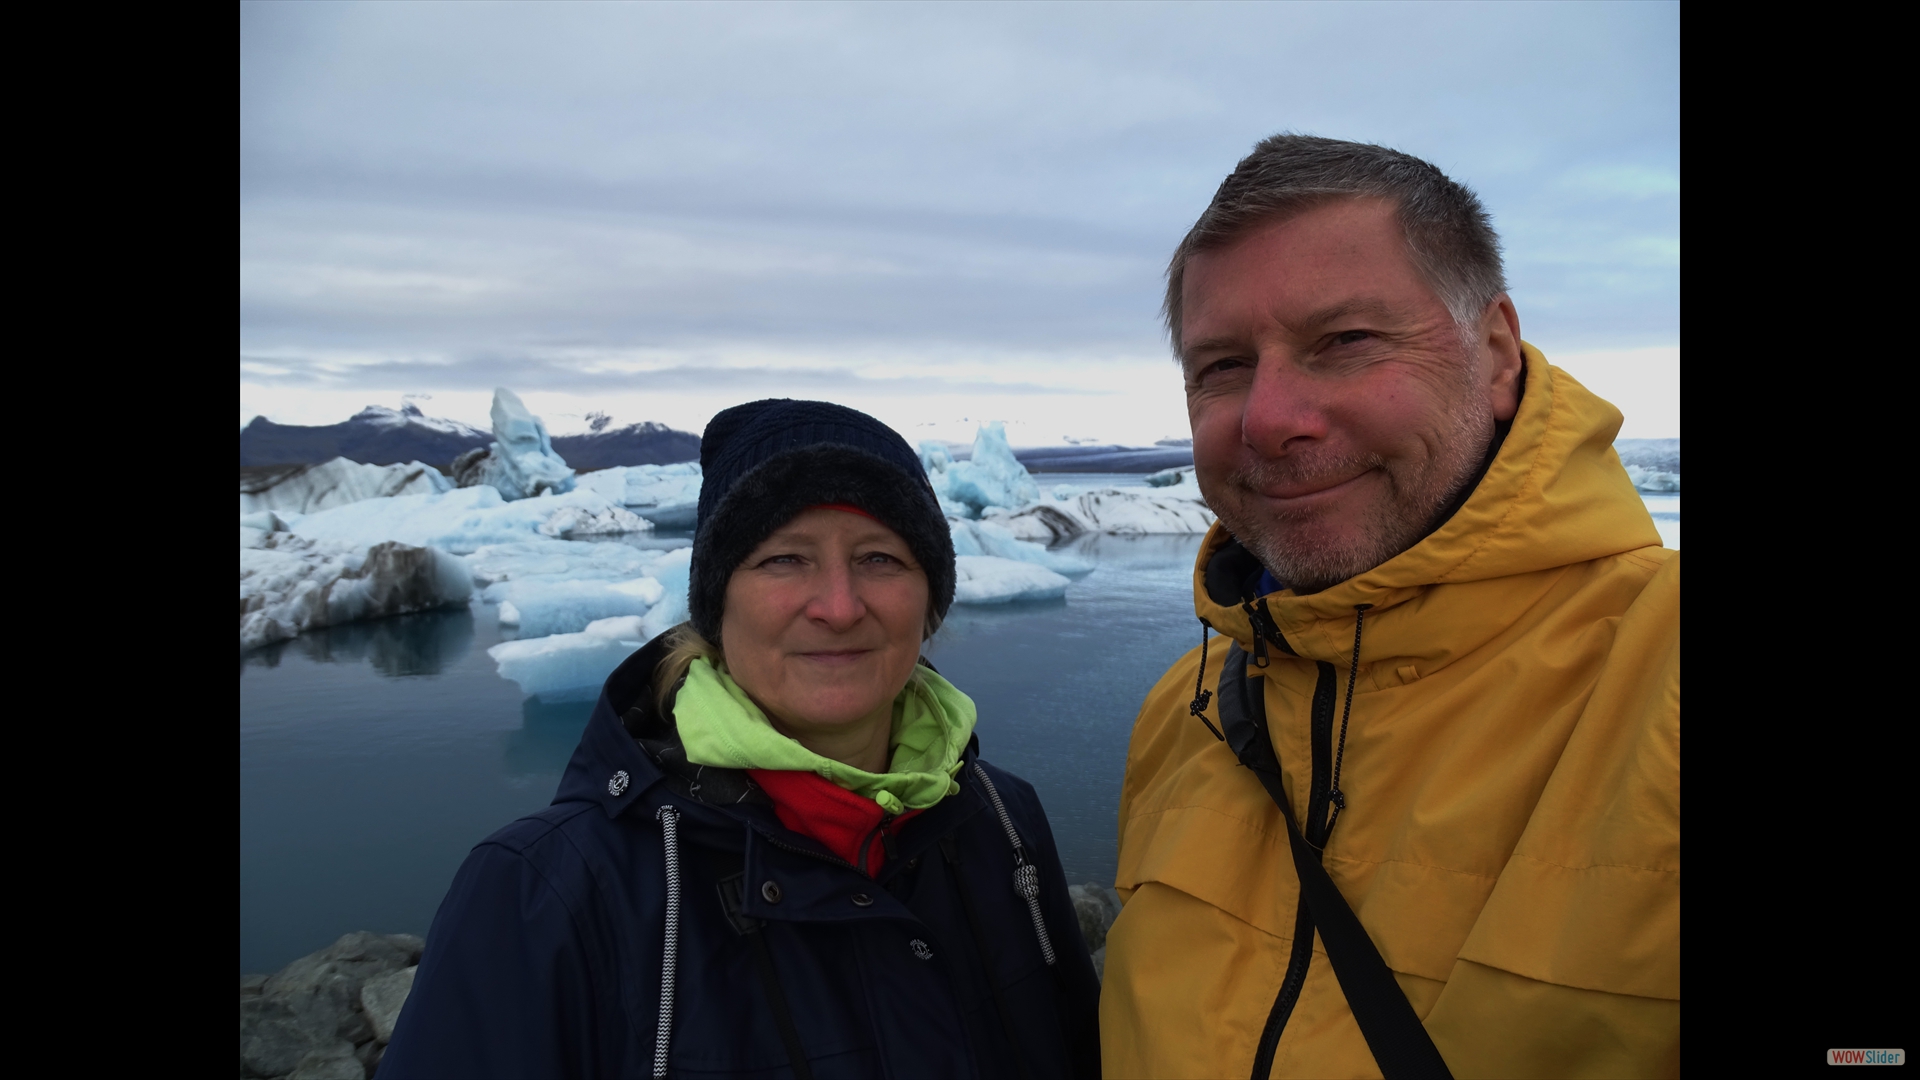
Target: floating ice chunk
[306,488]
[1063,492]
[1654,481]
[565,667]
[993,477]
[995,539]
[570,559]
[290,583]
[1112,510]
[984,579]
[1169,477]
[673,572]
[461,521]
[569,521]
[541,605]
[667,495]
[520,463]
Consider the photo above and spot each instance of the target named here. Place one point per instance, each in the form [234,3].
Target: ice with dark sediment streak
[290,583]
[303,489]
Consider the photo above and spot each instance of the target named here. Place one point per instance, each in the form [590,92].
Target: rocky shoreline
[329,1014]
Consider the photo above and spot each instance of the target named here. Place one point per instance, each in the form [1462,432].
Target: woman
[776,851]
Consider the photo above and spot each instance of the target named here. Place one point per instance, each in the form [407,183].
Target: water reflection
[548,733]
[426,643]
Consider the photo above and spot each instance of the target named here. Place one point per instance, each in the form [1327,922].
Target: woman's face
[823,621]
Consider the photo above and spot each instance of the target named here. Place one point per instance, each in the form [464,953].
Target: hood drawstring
[669,818]
[1334,794]
[1202,695]
[1026,876]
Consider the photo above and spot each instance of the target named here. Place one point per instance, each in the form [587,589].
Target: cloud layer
[920,199]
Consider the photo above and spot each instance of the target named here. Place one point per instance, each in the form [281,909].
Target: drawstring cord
[1334,794]
[1202,695]
[669,818]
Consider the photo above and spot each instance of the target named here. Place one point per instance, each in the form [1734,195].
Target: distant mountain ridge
[381,436]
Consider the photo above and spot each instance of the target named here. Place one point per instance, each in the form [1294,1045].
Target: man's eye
[1223,366]
[1351,337]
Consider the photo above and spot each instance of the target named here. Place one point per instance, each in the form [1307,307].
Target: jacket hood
[1554,495]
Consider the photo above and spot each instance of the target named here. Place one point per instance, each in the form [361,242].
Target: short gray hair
[1449,234]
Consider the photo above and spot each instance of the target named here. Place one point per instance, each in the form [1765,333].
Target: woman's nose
[836,601]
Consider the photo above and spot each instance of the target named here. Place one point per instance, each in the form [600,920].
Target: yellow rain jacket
[1511,837]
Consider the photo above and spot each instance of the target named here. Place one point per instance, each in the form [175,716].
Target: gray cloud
[467,183]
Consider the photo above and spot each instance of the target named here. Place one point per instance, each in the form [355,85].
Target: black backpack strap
[1400,1043]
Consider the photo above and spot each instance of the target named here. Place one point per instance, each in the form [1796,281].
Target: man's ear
[1500,336]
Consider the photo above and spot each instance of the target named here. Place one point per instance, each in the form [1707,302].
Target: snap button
[771,890]
[617,784]
[921,950]
[861,899]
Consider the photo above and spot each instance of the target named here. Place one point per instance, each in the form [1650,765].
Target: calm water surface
[373,756]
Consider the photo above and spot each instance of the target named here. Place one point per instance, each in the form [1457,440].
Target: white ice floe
[307,488]
[564,667]
[993,477]
[461,521]
[1653,481]
[995,539]
[1112,510]
[291,583]
[574,560]
[571,521]
[538,605]
[984,579]
[667,495]
[520,463]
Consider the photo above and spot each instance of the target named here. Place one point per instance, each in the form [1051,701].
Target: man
[1454,653]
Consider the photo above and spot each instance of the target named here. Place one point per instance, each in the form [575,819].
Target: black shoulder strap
[1400,1043]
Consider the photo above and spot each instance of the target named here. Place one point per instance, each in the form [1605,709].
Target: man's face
[1336,410]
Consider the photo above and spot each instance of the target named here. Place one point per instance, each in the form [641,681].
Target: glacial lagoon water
[374,755]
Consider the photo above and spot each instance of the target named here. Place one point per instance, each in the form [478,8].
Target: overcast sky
[939,213]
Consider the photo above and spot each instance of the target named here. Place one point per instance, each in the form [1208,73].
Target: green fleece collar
[932,721]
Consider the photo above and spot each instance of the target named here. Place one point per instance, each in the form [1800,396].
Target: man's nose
[836,599]
[1282,412]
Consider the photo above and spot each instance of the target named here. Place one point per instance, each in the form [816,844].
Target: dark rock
[381,998]
[335,1061]
[272,1039]
[370,1054]
[251,984]
[1097,906]
[635,444]
[305,1019]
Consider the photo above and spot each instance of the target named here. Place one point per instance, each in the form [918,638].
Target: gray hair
[1449,235]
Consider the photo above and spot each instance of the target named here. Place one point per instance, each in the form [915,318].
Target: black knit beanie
[765,461]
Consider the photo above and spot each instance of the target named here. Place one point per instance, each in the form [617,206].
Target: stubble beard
[1309,555]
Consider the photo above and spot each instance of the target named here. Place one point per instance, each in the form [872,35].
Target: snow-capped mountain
[381,436]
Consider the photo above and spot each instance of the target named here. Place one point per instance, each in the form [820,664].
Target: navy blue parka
[545,958]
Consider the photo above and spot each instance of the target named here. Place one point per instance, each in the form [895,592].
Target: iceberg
[460,521]
[1654,481]
[984,579]
[1112,510]
[993,477]
[570,521]
[291,583]
[992,538]
[520,463]
[1169,477]
[538,605]
[667,495]
[571,667]
[304,489]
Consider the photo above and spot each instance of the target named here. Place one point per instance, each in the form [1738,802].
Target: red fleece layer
[815,806]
